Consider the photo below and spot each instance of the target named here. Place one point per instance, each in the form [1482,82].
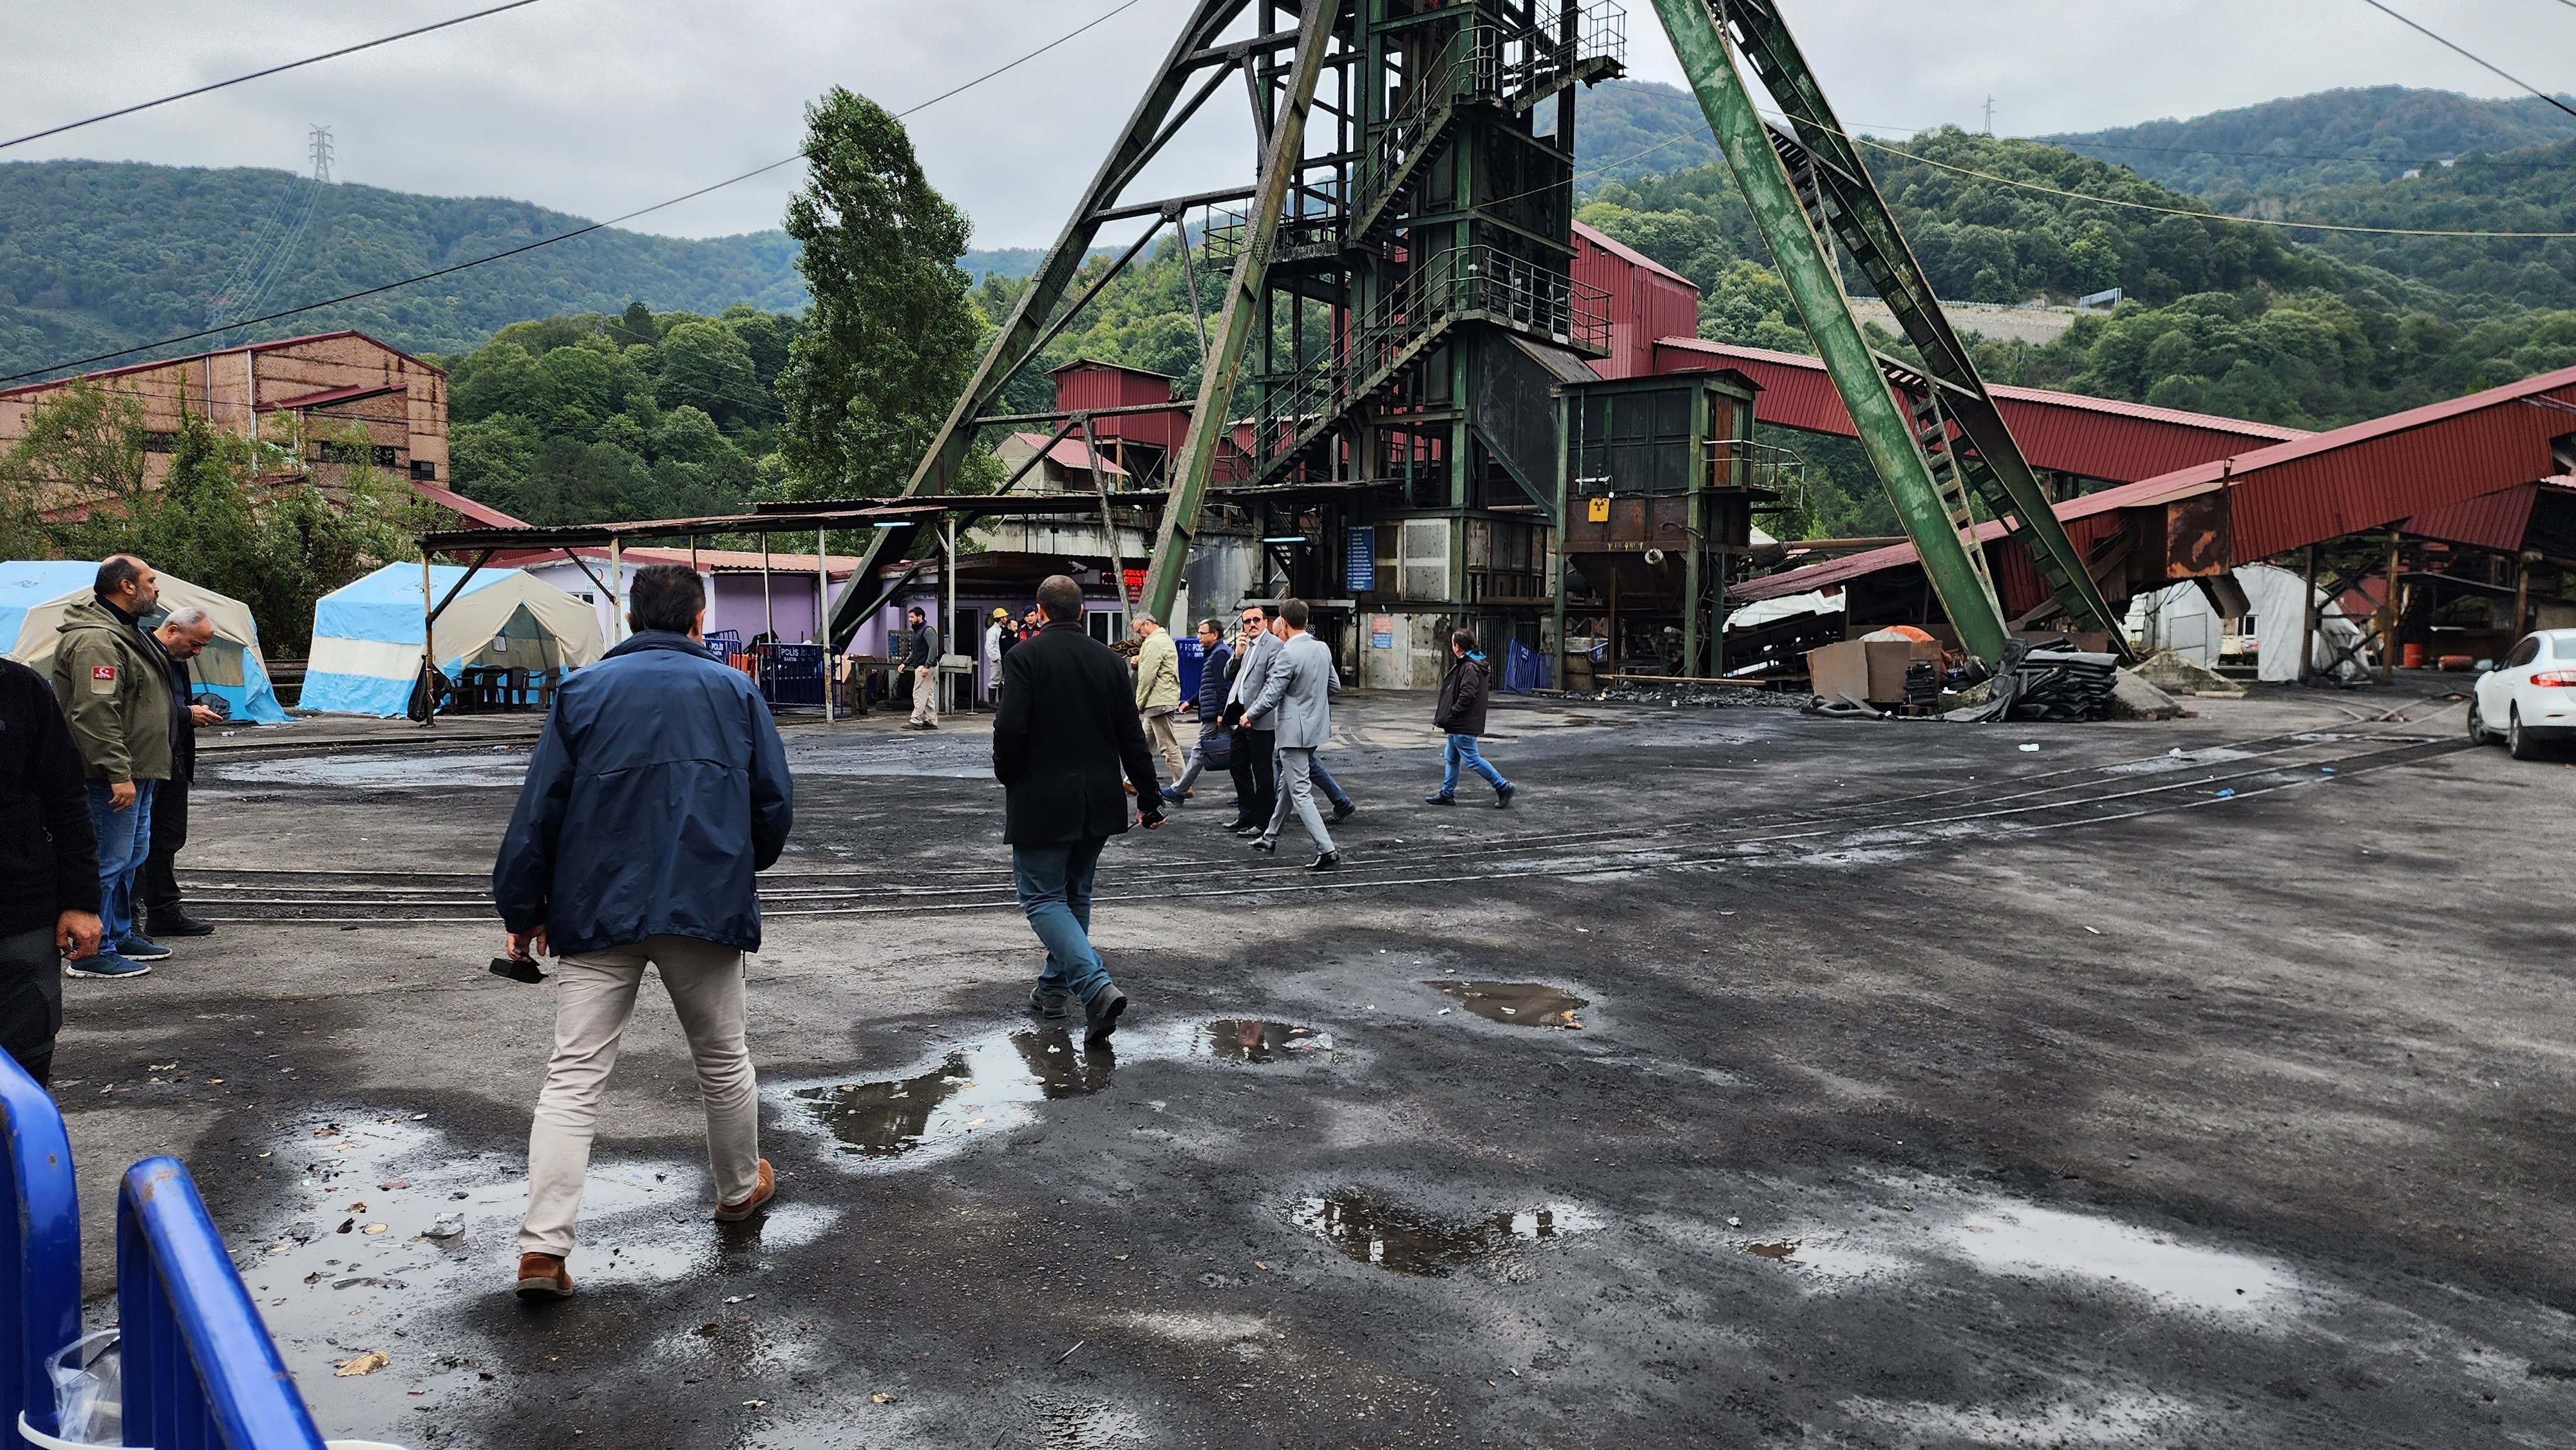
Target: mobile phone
[517,971]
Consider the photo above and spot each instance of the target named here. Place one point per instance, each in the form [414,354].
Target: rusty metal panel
[2196,536]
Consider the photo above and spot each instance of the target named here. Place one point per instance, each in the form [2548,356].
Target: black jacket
[183,725]
[922,650]
[48,853]
[1068,724]
[657,789]
[1462,696]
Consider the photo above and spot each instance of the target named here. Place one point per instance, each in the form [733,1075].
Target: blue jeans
[1054,883]
[1462,751]
[124,842]
[1324,782]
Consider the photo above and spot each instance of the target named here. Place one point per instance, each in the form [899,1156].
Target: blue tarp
[381,608]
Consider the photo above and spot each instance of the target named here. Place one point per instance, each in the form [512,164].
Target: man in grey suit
[1297,702]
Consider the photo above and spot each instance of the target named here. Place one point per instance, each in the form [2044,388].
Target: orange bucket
[2411,656]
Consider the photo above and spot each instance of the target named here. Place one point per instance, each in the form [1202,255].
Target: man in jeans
[48,867]
[1067,728]
[921,657]
[658,788]
[114,687]
[1461,715]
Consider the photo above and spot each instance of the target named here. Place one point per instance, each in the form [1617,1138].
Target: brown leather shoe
[543,1276]
[763,1188]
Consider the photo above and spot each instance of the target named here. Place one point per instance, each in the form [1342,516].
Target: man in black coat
[49,888]
[1067,727]
[181,638]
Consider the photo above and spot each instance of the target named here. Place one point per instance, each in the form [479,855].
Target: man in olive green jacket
[115,689]
[1158,689]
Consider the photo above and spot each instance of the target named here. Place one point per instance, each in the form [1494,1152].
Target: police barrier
[39,1249]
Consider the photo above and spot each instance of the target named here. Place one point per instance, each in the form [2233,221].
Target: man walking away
[998,639]
[1158,689]
[1215,734]
[1461,713]
[181,638]
[921,657]
[1068,727]
[115,689]
[1253,748]
[49,886]
[658,788]
[1298,701]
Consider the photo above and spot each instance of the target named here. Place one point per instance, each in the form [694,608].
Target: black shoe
[1440,800]
[1503,796]
[1329,861]
[177,923]
[1101,1013]
[1050,1006]
[1341,813]
[1255,830]
[1266,846]
[1238,823]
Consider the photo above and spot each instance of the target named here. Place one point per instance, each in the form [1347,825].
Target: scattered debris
[2047,681]
[1699,696]
[2134,699]
[367,1363]
[446,1226]
[2177,674]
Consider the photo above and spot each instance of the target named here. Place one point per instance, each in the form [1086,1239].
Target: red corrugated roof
[1630,255]
[2495,520]
[2316,487]
[466,508]
[119,372]
[1070,453]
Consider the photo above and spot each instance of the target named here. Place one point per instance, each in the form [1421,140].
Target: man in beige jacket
[1158,690]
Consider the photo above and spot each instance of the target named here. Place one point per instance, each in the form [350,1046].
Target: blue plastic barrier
[200,1371]
[40,1268]
[1193,660]
[792,674]
[1524,669]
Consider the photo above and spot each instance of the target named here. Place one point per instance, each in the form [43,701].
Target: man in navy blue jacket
[657,790]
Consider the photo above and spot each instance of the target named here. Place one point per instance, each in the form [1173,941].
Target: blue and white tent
[367,635]
[34,594]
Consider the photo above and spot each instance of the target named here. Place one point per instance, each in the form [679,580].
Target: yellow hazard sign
[1596,510]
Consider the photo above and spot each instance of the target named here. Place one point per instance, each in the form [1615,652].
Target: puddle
[1517,1004]
[993,1084]
[2027,1239]
[1406,1242]
[379,772]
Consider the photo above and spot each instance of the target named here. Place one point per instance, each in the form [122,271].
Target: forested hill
[2286,148]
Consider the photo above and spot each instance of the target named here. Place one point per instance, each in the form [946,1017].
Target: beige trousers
[925,695]
[594,997]
[1158,733]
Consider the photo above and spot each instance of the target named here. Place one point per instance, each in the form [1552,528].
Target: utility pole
[1990,115]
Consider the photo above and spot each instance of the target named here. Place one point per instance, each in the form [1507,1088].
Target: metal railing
[40,1267]
[199,1370]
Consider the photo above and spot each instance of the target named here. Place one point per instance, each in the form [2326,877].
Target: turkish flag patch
[102,672]
[102,679]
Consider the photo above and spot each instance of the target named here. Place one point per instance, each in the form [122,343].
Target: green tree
[890,338]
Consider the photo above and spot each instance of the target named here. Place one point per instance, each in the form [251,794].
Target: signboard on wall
[1359,559]
[1381,631]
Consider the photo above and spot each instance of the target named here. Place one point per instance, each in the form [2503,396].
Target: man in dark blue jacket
[657,790]
[1216,737]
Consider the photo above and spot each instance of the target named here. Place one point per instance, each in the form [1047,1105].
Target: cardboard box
[1871,672]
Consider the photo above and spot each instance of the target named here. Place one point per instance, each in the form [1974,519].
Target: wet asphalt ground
[1755,1080]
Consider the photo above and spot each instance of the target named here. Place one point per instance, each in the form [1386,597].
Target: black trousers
[1256,781]
[156,891]
[31,1000]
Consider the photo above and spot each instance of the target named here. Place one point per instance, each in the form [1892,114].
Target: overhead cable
[580,231]
[255,75]
[2471,56]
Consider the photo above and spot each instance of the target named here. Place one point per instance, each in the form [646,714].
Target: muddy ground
[2221,1100]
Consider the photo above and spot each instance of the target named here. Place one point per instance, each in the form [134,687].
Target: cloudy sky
[598,108]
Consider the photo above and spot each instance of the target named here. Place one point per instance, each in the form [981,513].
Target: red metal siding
[2490,521]
[1646,302]
[1101,385]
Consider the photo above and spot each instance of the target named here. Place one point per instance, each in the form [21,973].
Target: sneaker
[1266,846]
[764,1187]
[1440,800]
[141,949]
[1171,796]
[105,964]
[1101,1015]
[177,923]
[1503,795]
[1341,813]
[1326,861]
[543,1276]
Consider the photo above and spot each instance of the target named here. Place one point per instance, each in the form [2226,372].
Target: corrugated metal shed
[1648,300]
[2062,432]
[2495,520]
[1090,383]
[2420,462]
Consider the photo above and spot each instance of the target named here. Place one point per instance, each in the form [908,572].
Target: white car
[2530,699]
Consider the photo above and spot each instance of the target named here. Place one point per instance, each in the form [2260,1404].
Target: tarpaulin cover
[367,635]
[34,593]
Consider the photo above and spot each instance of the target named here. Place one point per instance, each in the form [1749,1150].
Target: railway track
[2234,771]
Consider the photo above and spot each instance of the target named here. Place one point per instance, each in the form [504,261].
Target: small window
[424,470]
[2523,653]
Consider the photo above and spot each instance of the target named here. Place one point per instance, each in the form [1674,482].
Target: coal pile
[1693,696]
[2048,681]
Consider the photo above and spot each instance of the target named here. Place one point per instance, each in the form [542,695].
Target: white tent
[34,593]
[367,635]
[2181,619]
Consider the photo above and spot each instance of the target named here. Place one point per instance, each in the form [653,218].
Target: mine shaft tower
[1400,320]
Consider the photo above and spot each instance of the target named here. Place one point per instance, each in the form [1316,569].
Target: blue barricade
[199,1370]
[1524,669]
[41,1266]
[1193,660]
[792,674]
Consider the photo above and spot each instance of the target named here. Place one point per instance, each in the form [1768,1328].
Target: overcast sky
[598,108]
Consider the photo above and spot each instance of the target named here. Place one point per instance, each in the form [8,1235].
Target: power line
[255,75]
[2306,156]
[450,271]
[2447,45]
